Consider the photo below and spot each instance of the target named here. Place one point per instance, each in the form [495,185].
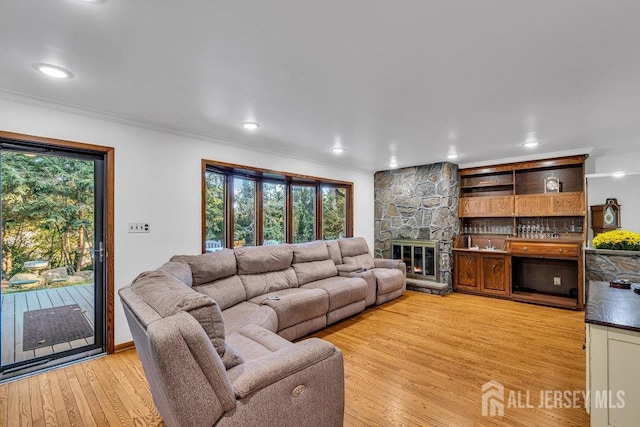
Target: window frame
[260,176]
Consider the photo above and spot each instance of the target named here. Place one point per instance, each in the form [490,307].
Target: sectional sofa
[214,331]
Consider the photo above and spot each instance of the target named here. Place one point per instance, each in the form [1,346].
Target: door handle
[100,251]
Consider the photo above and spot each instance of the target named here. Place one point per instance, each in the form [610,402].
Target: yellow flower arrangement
[622,240]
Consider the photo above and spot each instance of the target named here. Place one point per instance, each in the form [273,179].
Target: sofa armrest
[386,262]
[348,268]
[389,263]
[183,361]
[264,371]
[368,277]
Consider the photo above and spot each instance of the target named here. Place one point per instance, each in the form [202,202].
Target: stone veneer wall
[603,265]
[419,202]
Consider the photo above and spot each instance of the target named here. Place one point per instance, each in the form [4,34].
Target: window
[334,210]
[304,213]
[244,212]
[273,213]
[214,187]
[245,207]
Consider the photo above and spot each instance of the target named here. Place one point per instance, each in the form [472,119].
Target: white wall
[601,186]
[157,179]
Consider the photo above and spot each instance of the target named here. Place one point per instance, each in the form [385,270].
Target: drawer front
[545,249]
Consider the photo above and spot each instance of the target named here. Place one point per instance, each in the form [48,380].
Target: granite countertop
[618,308]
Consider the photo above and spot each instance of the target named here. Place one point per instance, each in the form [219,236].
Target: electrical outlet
[557,281]
[139,227]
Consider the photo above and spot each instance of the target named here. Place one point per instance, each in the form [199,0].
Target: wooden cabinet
[481,272]
[569,204]
[495,279]
[512,199]
[467,271]
[494,206]
[547,272]
[545,227]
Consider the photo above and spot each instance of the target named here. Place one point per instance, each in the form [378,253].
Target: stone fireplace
[420,257]
[419,203]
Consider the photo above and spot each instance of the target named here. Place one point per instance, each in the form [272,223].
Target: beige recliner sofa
[213,333]
[390,274]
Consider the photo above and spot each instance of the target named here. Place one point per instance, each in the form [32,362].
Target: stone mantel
[603,265]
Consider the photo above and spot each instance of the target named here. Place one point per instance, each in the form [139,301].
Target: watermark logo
[492,399]
[495,398]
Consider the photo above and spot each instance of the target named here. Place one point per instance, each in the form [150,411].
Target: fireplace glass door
[420,257]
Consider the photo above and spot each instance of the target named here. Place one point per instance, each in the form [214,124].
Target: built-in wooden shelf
[544,230]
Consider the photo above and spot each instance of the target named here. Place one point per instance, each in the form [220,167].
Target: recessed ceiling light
[53,71]
[618,174]
[337,150]
[452,156]
[250,125]
[531,140]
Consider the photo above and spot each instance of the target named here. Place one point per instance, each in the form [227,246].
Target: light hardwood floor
[420,360]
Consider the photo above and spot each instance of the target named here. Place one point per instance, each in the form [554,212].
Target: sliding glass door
[53,255]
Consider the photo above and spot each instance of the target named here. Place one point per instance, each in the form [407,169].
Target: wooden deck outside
[14,306]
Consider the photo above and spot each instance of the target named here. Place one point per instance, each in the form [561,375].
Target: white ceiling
[410,79]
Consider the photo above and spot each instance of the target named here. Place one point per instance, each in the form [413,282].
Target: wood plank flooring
[420,360]
[14,306]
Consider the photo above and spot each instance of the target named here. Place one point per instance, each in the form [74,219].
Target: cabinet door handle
[561,250]
[525,248]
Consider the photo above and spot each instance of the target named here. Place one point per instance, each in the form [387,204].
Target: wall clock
[605,217]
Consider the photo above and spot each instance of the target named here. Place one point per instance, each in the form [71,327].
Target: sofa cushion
[355,250]
[263,259]
[363,260]
[311,262]
[334,251]
[226,292]
[314,270]
[211,266]
[310,251]
[253,342]
[178,269]
[295,306]
[342,291]
[389,279]
[263,283]
[168,295]
[353,246]
[246,313]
